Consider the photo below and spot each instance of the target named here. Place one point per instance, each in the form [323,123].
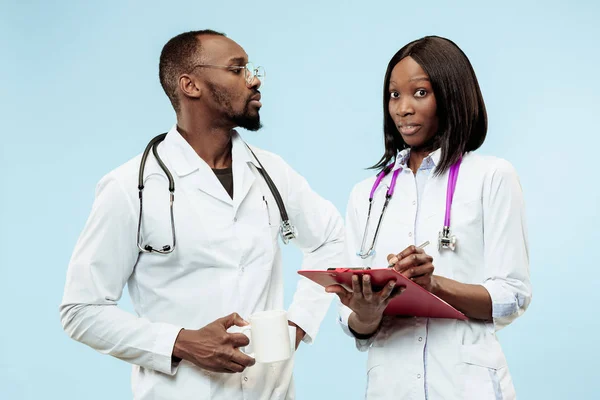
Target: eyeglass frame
[247,71]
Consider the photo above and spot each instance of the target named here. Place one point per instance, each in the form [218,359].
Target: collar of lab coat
[186,162]
[402,158]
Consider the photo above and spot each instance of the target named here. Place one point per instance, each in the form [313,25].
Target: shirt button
[409,234]
[420,339]
[418,376]
[414,203]
[245,379]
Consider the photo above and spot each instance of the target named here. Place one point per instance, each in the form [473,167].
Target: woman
[434,119]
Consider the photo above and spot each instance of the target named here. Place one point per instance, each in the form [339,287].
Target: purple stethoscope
[445,238]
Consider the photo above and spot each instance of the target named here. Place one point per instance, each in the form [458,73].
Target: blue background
[79,95]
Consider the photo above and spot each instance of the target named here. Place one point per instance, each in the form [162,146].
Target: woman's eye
[421,93]
[394,95]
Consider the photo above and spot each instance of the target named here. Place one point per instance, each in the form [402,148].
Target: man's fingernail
[393,260]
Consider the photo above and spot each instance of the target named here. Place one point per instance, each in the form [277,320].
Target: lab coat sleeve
[321,239]
[352,242]
[506,255]
[103,259]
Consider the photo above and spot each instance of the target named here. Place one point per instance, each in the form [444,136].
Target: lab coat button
[418,376]
[245,379]
[420,339]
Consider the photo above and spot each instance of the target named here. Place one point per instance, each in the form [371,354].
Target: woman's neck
[417,155]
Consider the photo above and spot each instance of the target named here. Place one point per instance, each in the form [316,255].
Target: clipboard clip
[348,269]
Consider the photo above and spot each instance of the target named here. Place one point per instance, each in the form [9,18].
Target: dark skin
[473,300]
[413,108]
[367,305]
[213,348]
[210,100]
[204,120]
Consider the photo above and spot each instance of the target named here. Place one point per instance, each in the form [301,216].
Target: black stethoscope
[286,229]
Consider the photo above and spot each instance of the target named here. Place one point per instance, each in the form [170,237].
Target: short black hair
[460,108]
[178,57]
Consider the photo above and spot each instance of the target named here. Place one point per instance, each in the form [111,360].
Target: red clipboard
[414,300]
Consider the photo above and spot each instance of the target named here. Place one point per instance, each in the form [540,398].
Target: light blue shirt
[421,177]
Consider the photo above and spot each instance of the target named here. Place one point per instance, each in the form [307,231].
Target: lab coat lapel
[243,174]
[192,170]
[205,180]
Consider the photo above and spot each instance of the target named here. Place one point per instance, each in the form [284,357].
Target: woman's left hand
[416,265]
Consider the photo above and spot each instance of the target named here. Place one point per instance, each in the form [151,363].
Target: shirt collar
[185,160]
[432,160]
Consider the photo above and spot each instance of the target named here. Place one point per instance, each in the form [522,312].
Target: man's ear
[189,86]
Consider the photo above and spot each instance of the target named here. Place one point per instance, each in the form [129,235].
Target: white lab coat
[420,358]
[227,259]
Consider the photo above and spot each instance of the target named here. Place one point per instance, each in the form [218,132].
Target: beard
[244,119]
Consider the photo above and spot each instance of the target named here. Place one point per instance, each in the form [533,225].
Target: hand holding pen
[414,264]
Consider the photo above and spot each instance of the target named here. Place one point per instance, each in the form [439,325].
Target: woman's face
[412,104]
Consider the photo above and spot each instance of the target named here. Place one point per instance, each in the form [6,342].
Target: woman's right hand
[368,306]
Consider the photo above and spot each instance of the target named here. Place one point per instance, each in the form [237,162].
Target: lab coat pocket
[282,371]
[377,382]
[272,233]
[259,239]
[466,225]
[484,373]
[273,381]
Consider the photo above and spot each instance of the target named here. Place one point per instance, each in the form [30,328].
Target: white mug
[269,336]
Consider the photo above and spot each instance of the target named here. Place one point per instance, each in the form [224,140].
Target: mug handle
[247,350]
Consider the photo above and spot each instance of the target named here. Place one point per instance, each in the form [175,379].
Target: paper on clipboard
[414,300]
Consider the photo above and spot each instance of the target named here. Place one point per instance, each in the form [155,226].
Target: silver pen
[394,259]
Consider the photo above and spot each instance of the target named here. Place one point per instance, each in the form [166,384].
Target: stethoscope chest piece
[287,231]
[446,240]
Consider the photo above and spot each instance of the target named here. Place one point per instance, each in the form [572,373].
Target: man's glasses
[250,71]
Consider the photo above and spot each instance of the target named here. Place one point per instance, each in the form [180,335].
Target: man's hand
[299,333]
[213,348]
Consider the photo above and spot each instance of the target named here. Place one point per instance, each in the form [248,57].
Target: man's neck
[211,143]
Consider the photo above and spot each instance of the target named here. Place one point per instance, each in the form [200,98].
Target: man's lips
[256,100]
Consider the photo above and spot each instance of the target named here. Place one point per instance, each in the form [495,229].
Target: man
[222,262]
